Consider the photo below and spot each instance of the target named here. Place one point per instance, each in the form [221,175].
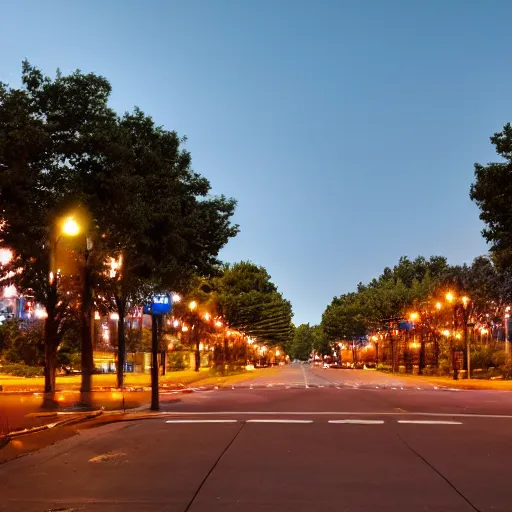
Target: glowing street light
[449,297]
[192,305]
[446,332]
[115,266]
[70,227]
[218,323]
[465,301]
[207,317]
[175,323]
[414,316]
[176,298]
[184,328]
[438,306]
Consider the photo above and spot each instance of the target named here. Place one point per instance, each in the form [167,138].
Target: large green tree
[491,191]
[48,130]
[251,302]
[301,344]
[129,184]
[154,214]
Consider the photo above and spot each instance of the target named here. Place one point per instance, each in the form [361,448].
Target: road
[303,439]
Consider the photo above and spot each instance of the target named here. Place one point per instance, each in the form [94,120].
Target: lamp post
[67,227]
[464,303]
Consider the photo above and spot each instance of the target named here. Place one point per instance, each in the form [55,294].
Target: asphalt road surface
[302,440]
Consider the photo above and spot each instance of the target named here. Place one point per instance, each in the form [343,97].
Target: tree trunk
[155,405]
[85,326]
[422,353]
[121,342]
[393,353]
[225,353]
[197,353]
[163,361]
[50,364]
[466,345]
[50,347]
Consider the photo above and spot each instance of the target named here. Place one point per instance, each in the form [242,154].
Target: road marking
[358,422]
[107,456]
[201,421]
[279,421]
[304,375]
[333,413]
[430,422]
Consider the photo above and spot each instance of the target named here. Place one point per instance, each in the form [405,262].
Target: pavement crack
[215,464]
[446,479]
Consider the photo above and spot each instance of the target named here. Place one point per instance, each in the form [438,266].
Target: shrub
[22,341]
[22,370]
[482,357]
[383,367]
[176,361]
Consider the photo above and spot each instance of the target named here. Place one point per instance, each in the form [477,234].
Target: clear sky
[347,130]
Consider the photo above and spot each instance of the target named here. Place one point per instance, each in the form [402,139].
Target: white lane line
[431,422]
[279,421]
[333,413]
[201,421]
[304,375]
[358,422]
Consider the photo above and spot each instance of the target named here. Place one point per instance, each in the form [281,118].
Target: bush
[22,370]
[22,341]
[383,367]
[483,358]
[176,361]
[444,367]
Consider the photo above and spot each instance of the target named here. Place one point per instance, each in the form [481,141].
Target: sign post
[160,305]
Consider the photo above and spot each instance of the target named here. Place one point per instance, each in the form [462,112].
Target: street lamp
[192,305]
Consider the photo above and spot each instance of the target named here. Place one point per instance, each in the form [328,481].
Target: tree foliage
[491,191]
[62,150]
[250,302]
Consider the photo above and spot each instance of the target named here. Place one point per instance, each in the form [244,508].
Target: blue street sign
[160,305]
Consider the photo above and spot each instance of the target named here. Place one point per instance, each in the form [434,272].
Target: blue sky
[347,130]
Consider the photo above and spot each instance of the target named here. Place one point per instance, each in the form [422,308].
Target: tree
[301,345]
[251,302]
[321,344]
[48,129]
[62,149]
[156,220]
[491,191]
